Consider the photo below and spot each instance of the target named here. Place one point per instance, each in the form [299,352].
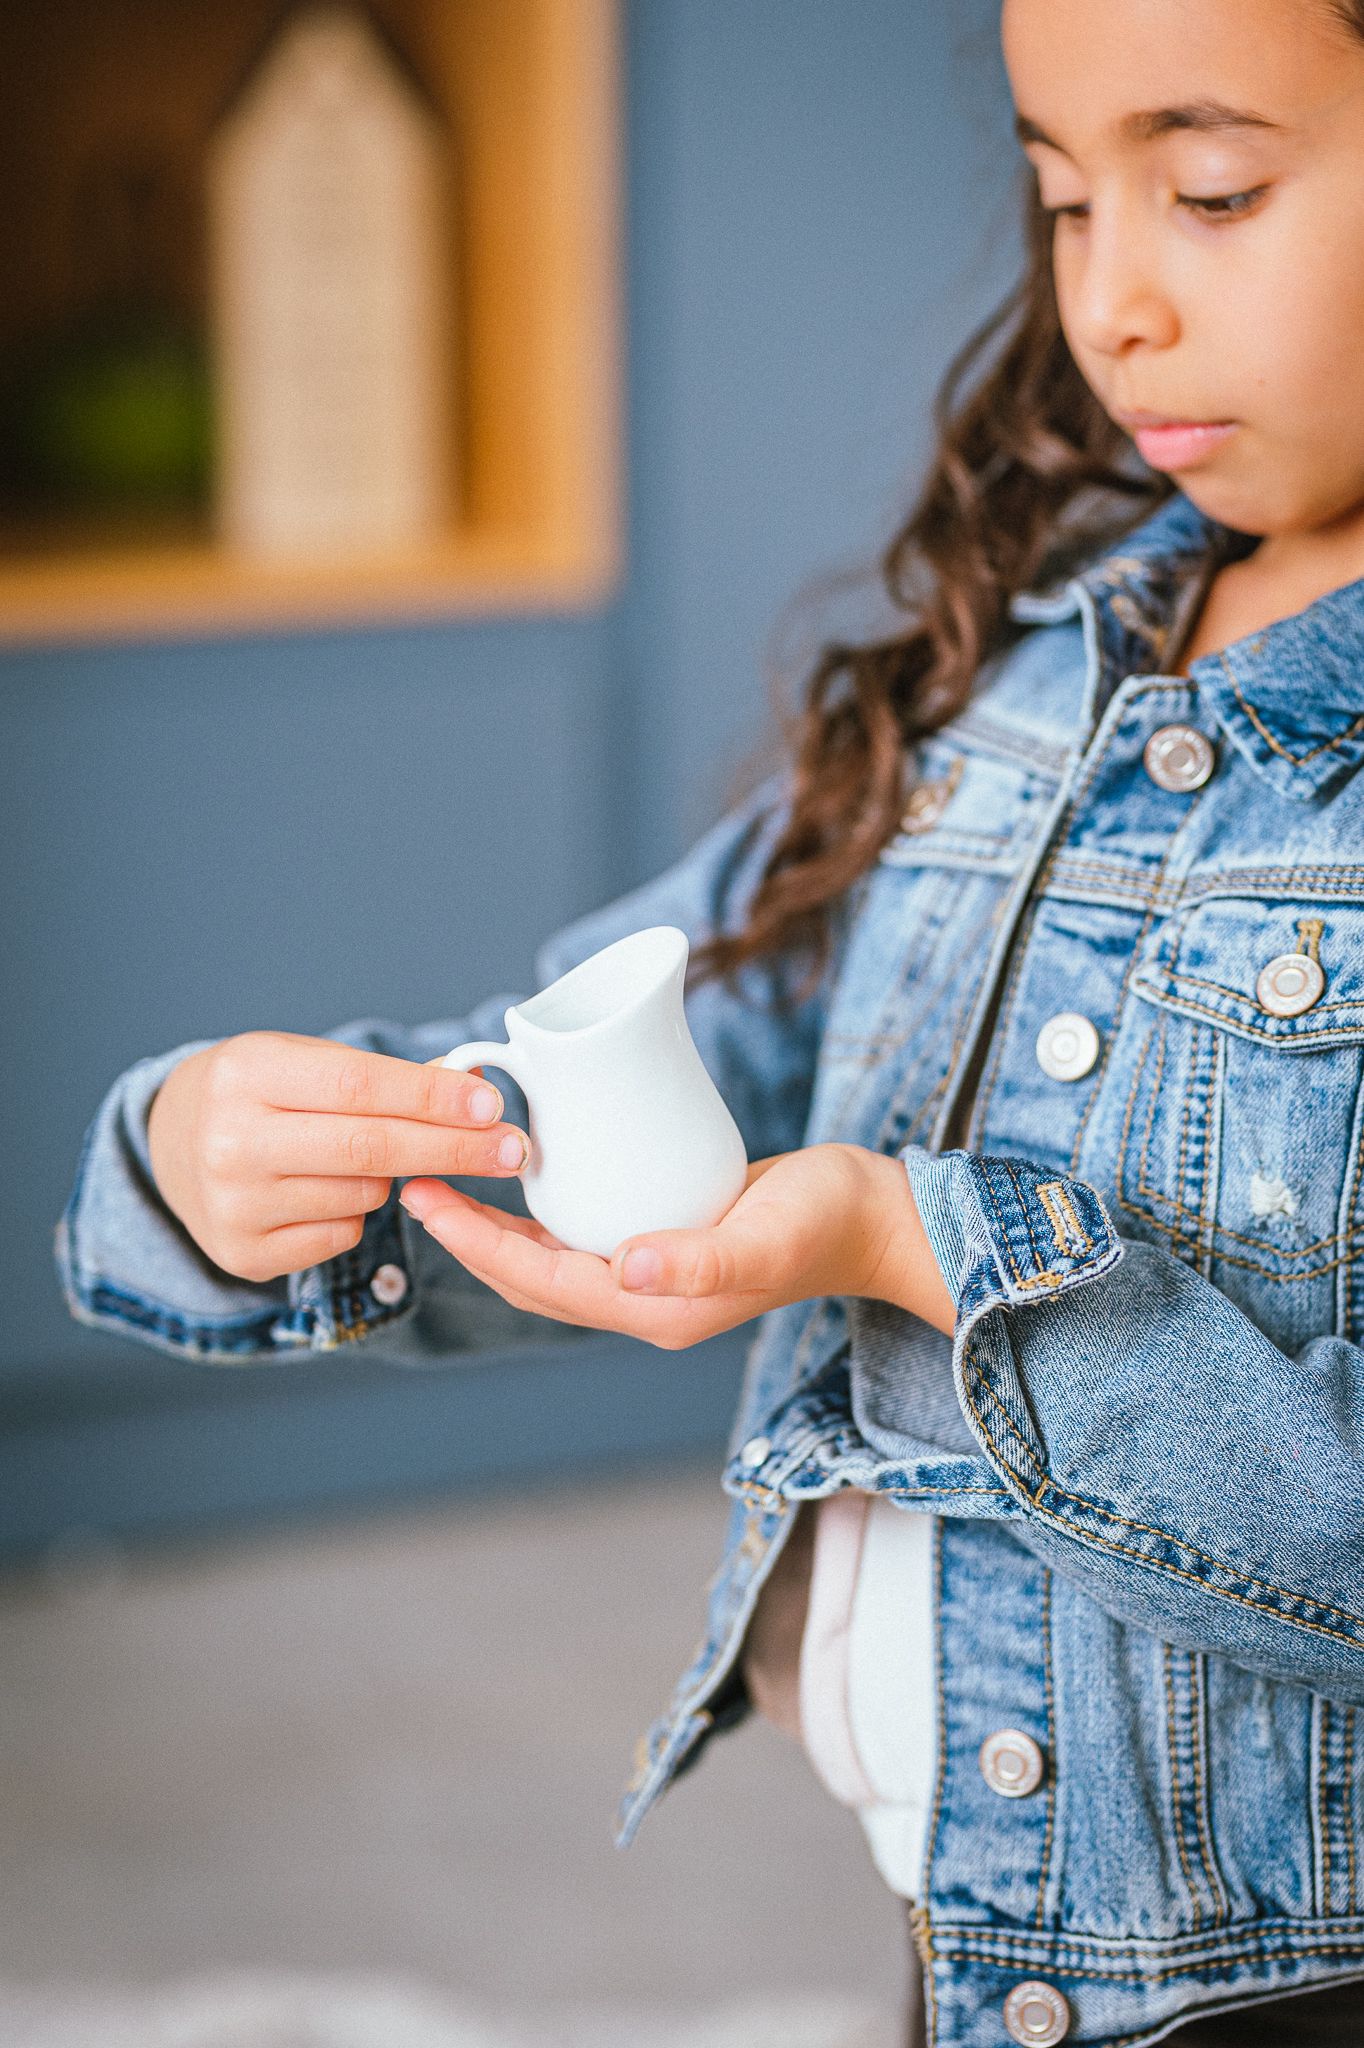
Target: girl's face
[1210,268]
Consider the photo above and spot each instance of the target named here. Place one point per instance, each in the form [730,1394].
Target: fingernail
[484,1105]
[514,1149]
[416,1204]
[642,1269]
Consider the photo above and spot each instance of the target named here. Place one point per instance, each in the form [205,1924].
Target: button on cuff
[389,1285]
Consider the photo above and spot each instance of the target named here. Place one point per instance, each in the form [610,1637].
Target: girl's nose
[1117,296]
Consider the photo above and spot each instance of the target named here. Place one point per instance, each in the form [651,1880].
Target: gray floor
[397,1747]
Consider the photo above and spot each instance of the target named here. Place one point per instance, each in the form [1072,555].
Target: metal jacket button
[1178,757]
[389,1285]
[1289,984]
[1067,1046]
[1037,2014]
[924,808]
[755,1450]
[1011,1763]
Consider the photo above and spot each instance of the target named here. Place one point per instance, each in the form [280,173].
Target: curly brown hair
[1020,444]
[1030,477]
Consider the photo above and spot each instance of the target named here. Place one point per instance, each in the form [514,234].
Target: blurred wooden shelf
[532,92]
[168,592]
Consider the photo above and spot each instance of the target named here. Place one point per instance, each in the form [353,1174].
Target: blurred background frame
[109,117]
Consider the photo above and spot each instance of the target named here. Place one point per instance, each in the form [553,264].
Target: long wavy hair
[1030,476]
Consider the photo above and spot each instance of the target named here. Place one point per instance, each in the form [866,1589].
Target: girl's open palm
[797,1230]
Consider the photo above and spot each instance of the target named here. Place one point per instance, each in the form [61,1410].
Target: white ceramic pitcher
[628,1131]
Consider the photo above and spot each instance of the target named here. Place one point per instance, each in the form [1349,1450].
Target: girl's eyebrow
[1208,116]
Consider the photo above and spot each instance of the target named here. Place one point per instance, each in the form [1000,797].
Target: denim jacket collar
[1290,697]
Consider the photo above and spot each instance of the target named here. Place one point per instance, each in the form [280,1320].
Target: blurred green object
[117,413]
[107,410]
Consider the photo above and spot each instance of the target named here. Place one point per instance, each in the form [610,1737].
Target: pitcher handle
[482,1052]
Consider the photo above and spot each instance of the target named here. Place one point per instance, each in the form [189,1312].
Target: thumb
[680,1262]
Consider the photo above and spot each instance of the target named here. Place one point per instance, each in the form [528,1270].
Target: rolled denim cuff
[349,1297]
[1149,1434]
[1005,1230]
[126,1263]
[1004,1234]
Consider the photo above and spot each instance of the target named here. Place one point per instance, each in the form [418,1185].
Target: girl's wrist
[899,1263]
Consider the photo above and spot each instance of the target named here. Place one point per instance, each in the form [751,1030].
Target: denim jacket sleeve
[1157,1449]
[126,1263]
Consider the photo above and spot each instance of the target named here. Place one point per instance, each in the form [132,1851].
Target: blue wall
[298,830]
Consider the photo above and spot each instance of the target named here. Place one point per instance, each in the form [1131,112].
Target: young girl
[1047,1483]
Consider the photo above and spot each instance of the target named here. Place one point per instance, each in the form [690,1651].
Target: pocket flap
[967,809]
[1206,959]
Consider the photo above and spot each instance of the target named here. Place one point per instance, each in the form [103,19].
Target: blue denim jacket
[1144,1443]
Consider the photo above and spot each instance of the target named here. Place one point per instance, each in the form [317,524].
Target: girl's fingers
[523,1301]
[709,1284]
[296,1245]
[294,1072]
[566,1283]
[515,1246]
[525,1226]
[318,1198]
[701,1265]
[571,1287]
[458,1242]
[298,1141]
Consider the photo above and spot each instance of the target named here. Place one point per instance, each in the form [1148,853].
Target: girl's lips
[1179,447]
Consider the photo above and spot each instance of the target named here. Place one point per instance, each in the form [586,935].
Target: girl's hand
[271,1147]
[829,1219]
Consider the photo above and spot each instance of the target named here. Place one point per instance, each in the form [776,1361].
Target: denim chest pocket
[967,809]
[921,935]
[1240,1139]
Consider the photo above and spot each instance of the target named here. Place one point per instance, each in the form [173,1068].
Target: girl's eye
[1225,206]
